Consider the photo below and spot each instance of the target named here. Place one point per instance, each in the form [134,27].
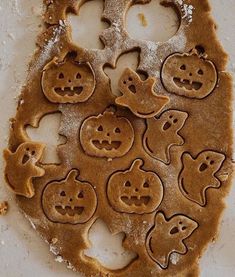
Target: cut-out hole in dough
[47,133]
[129,60]
[152,21]
[87,26]
[107,248]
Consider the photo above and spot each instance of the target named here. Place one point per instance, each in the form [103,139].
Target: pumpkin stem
[137,164]
[73,174]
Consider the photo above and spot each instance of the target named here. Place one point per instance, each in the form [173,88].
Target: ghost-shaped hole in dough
[47,132]
[107,248]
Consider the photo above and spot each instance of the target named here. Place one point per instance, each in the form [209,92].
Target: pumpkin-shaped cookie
[189,75]
[135,190]
[69,201]
[106,135]
[67,81]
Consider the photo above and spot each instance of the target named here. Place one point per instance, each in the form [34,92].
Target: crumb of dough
[143,20]
[54,240]
[4,207]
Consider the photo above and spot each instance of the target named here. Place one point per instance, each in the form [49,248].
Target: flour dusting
[187,10]
[49,46]
[174,258]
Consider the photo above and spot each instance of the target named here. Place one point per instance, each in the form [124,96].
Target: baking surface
[22,252]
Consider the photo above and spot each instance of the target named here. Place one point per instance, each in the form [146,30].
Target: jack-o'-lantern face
[69,201]
[67,81]
[135,190]
[189,75]
[106,135]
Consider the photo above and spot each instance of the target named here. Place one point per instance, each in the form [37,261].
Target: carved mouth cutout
[186,84]
[70,91]
[67,210]
[106,144]
[146,114]
[132,88]
[28,156]
[25,159]
[135,201]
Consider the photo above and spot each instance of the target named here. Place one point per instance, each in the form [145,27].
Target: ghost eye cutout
[183,67]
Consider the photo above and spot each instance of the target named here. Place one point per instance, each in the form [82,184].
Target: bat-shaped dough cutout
[198,175]
[139,96]
[23,163]
[162,133]
[167,237]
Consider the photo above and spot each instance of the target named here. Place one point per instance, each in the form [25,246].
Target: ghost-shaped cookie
[167,237]
[162,133]
[198,175]
[139,96]
[23,163]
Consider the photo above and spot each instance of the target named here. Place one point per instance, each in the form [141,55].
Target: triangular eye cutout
[81,195]
[127,184]
[146,185]
[63,193]
[100,128]
[61,76]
